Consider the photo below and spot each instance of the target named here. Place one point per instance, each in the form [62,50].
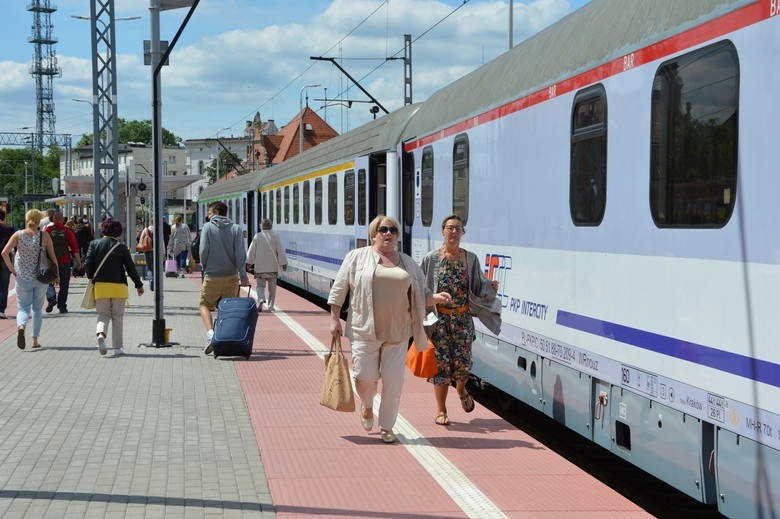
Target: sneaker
[209,348]
[271,308]
[63,310]
[3,316]
[101,344]
[50,306]
[118,352]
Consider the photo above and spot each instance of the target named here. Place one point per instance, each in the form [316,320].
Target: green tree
[227,162]
[135,131]
[24,171]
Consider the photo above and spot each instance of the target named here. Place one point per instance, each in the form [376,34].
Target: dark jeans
[5,279]
[150,267]
[61,299]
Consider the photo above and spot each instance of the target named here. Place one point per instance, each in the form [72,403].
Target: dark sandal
[442,419]
[20,338]
[467,403]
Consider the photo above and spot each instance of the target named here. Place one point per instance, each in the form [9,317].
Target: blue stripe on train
[317,257]
[734,363]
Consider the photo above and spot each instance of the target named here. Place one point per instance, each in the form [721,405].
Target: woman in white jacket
[266,255]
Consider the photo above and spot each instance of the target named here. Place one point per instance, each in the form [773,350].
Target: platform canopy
[85,184]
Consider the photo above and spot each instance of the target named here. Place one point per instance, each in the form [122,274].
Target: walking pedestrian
[34,249]
[5,273]
[457,272]
[107,264]
[387,300]
[66,248]
[267,257]
[179,244]
[223,258]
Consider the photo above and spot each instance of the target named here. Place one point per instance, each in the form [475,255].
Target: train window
[693,139]
[426,187]
[318,201]
[245,209]
[306,202]
[588,168]
[349,197]
[361,197]
[264,207]
[286,204]
[278,206]
[296,203]
[460,177]
[271,205]
[333,198]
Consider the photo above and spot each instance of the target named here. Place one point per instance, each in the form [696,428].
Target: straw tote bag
[337,388]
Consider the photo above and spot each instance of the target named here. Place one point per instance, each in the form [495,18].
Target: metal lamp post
[218,151]
[158,59]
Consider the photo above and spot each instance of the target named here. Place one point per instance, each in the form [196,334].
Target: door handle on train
[601,403]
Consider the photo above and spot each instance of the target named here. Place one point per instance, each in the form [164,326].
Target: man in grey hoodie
[223,259]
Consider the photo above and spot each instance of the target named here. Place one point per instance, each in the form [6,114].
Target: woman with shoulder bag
[386,307]
[457,272]
[107,264]
[34,250]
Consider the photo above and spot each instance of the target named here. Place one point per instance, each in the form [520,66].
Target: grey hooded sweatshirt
[222,251]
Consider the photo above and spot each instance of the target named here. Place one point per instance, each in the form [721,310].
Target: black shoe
[63,310]
[50,306]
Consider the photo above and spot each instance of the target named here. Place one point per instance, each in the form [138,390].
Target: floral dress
[454,332]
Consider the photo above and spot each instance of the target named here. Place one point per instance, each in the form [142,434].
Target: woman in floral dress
[456,271]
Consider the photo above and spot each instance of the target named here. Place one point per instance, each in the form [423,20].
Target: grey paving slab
[158,432]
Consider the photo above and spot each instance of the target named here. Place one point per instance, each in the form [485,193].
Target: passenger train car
[615,173]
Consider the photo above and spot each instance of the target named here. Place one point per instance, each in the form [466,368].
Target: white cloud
[221,77]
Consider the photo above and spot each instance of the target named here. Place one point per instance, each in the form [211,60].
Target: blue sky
[238,57]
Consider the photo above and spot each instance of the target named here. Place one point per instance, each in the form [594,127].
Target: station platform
[170,432]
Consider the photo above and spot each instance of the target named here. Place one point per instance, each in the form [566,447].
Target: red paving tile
[320,463]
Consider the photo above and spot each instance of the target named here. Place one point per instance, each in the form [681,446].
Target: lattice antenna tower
[44,68]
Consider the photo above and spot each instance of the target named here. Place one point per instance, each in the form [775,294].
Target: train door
[251,216]
[407,200]
[362,218]
[377,185]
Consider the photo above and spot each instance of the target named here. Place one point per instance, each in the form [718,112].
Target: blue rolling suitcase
[234,329]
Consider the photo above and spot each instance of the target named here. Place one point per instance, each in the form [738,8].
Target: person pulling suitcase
[223,259]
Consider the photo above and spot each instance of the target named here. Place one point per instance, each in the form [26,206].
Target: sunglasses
[385,229]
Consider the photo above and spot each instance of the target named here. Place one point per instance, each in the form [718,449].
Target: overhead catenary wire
[338,43]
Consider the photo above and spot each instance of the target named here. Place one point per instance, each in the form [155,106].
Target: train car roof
[598,32]
[224,188]
[381,134]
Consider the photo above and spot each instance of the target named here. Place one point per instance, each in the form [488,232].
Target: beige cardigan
[356,278]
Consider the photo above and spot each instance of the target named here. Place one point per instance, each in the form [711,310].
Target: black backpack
[60,241]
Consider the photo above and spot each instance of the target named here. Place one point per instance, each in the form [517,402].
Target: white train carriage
[322,201]
[614,172]
[241,197]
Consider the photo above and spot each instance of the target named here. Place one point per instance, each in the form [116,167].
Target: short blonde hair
[32,218]
[374,225]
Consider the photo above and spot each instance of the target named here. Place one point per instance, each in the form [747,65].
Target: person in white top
[266,256]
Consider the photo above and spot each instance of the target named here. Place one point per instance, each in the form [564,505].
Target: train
[614,172]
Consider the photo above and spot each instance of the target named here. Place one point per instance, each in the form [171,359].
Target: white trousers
[262,279]
[372,360]
[111,310]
